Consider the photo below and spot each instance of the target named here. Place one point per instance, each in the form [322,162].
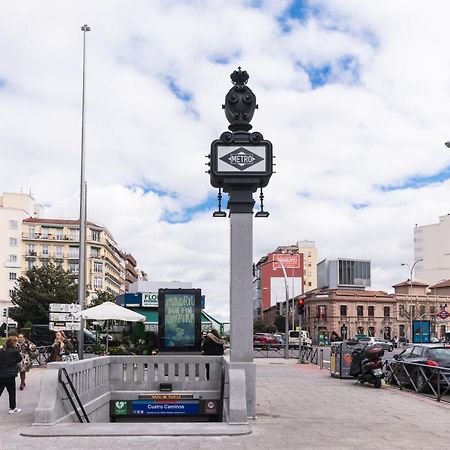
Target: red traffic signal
[301,302]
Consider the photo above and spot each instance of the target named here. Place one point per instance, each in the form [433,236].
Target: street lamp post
[410,295]
[82,252]
[286,316]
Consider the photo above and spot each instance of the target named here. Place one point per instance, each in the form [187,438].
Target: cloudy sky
[354,95]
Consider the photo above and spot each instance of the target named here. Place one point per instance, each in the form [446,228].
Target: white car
[387,345]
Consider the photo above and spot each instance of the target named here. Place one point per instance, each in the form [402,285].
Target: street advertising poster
[421,331]
[179,320]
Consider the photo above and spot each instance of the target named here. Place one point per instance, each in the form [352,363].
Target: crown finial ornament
[240,102]
[239,77]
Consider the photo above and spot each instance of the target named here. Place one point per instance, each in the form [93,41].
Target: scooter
[366,365]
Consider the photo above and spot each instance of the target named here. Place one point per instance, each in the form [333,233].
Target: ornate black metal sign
[240,161]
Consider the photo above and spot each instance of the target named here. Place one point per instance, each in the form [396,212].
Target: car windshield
[89,333]
[365,339]
[441,353]
[294,334]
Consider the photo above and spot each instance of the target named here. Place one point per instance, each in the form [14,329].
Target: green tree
[259,326]
[279,322]
[39,287]
[102,296]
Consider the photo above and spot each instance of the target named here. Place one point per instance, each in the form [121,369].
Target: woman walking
[9,358]
[28,351]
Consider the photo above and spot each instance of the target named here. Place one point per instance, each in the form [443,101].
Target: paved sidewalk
[298,407]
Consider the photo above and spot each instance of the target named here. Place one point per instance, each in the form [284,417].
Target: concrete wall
[99,380]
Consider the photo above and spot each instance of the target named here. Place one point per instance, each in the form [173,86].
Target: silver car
[387,345]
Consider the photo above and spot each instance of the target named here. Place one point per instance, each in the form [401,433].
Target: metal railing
[433,381]
[44,353]
[309,354]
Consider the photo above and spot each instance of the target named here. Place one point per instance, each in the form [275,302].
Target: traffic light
[301,306]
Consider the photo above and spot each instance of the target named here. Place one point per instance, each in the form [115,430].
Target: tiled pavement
[298,407]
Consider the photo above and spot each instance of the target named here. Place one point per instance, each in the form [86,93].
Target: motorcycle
[366,365]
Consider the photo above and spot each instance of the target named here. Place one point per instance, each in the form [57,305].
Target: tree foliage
[39,287]
[102,297]
[280,323]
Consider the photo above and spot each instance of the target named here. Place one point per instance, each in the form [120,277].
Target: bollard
[321,358]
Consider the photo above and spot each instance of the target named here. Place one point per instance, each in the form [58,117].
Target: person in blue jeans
[9,359]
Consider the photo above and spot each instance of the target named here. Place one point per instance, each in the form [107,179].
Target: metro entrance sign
[443,314]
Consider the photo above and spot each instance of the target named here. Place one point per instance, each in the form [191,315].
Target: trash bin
[341,359]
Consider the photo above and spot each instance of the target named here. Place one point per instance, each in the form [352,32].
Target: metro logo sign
[288,261]
[443,314]
[241,158]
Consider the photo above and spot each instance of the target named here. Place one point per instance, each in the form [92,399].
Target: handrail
[69,396]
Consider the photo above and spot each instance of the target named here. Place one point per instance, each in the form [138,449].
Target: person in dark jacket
[61,346]
[9,359]
[212,344]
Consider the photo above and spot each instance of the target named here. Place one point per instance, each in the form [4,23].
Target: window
[12,242]
[31,232]
[59,234]
[12,258]
[98,283]
[30,264]
[322,312]
[95,252]
[12,276]
[360,310]
[422,310]
[387,311]
[432,309]
[96,236]
[31,250]
[417,352]
[11,292]
[371,311]
[98,267]
[58,264]
[44,263]
[59,251]
[45,250]
[371,330]
[74,252]
[44,232]
[343,310]
[401,310]
[13,224]
[74,234]
[74,267]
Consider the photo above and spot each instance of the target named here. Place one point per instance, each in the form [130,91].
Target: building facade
[58,241]
[344,273]
[14,207]
[432,245]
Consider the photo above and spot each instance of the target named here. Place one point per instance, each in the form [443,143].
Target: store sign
[149,299]
[288,261]
[162,408]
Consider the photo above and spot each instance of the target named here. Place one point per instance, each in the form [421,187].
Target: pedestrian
[28,352]
[212,344]
[9,359]
[61,346]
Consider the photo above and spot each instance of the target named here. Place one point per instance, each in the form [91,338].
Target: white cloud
[377,123]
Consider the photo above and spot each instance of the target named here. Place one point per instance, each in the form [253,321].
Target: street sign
[64,307]
[443,314]
[63,317]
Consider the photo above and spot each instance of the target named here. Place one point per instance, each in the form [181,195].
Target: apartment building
[432,246]
[14,207]
[58,240]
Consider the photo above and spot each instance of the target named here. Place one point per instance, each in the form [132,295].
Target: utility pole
[82,250]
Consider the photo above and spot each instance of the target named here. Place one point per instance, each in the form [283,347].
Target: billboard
[179,319]
[289,261]
[421,331]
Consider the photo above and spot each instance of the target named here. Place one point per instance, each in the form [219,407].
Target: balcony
[73,256]
[31,254]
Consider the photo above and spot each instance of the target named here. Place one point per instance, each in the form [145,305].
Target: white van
[296,335]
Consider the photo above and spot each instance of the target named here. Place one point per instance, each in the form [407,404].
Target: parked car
[265,340]
[281,338]
[430,355]
[386,345]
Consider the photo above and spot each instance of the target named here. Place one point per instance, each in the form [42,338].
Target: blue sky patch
[2,82]
[359,205]
[417,182]
[179,93]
